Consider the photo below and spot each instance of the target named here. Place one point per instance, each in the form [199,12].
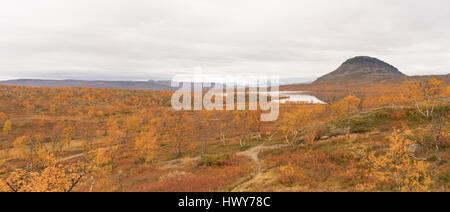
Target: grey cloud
[150,39]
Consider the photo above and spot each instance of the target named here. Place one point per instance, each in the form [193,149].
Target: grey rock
[414,149]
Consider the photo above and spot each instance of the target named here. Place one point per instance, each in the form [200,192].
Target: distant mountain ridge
[161,85]
[135,85]
[361,69]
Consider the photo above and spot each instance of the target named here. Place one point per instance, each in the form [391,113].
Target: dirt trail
[72,157]
[253,153]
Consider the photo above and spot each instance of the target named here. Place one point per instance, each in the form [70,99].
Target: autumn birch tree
[425,95]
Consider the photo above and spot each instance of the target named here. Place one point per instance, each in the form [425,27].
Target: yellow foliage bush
[395,170]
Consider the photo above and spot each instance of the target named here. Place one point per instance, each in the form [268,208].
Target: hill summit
[361,69]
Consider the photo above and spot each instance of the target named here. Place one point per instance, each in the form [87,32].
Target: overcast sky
[149,39]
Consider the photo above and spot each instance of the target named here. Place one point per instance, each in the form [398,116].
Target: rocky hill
[361,69]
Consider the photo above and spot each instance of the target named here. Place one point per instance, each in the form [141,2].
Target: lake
[298,96]
[289,96]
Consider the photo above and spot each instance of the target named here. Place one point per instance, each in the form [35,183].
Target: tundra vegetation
[367,138]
